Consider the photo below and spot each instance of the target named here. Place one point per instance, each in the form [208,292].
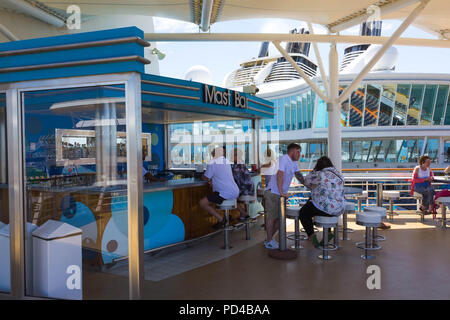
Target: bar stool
[327,223]
[293,212]
[380,211]
[226,206]
[419,199]
[349,208]
[370,221]
[391,196]
[445,201]
[247,199]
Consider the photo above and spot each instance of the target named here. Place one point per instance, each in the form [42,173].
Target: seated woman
[421,183]
[243,180]
[327,195]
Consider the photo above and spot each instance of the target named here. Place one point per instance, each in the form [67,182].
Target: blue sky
[223,57]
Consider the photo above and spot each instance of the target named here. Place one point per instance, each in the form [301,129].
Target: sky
[223,57]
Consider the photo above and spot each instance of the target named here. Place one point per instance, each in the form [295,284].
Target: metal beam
[26,8]
[286,37]
[319,61]
[7,33]
[405,24]
[384,10]
[207,6]
[300,71]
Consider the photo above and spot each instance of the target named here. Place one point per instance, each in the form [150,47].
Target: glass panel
[447,113]
[391,147]
[287,113]
[299,112]
[320,116]
[447,151]
[345,107]
[401,104]
[402,151]
[387,104]
[356,107]
[433,149]
[5,273]
[311,100]
[439,109]
[415,102]
[76,190]
[275,116]
[345,151]
[281,115]
[428,104]
[356,151]
[294,113]
[305,111]
[372,102]
[413,151]
[378,151]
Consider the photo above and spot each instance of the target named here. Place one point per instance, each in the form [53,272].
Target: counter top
[173,184]
[121,186]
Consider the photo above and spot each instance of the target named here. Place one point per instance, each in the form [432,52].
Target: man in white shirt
[278,187]
[219,172]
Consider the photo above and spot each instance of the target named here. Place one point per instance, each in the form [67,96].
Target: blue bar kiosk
[80,122]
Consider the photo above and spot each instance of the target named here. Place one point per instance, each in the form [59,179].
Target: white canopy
[330,13]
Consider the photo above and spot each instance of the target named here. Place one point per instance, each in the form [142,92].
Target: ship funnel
[298,47]
[372,28]
[264,50]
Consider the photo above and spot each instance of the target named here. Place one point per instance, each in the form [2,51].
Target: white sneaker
[272,244]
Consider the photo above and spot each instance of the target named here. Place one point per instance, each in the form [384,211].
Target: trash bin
[57,261]
[5,266]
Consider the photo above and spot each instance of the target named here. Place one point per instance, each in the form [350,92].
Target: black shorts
[215,198]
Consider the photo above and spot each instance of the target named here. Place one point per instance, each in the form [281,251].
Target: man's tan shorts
[271,204]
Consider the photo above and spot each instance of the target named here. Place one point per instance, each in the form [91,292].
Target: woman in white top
[421,183]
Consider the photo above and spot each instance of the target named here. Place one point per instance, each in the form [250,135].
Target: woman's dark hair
[322,163]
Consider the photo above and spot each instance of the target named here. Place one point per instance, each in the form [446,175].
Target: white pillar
[334,111]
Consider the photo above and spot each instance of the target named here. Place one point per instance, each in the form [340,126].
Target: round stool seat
[228,204]
[391,195]
[368,220]
[443,200]
[293,211]
[247,198]
[349,206]
[379,210]
[326,222]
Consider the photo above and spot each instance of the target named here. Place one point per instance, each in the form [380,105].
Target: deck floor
[414,263]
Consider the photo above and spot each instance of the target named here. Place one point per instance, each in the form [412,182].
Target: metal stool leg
[247,224]
[226,231]
[324,255]
[444,216]
[359,205]
[297,237]
[336,236]
[367,245]
[344,227]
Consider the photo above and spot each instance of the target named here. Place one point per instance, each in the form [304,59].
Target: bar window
[5,271]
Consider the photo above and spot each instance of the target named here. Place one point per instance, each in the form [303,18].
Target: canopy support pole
[207,6]
[300,71]
[406,23]
[334,111]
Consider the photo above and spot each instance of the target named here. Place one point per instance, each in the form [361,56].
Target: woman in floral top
[243,180]
[327,195]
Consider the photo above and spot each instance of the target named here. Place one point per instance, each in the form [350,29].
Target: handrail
[376,169]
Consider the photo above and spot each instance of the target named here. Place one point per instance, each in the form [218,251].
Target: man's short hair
[293,146]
